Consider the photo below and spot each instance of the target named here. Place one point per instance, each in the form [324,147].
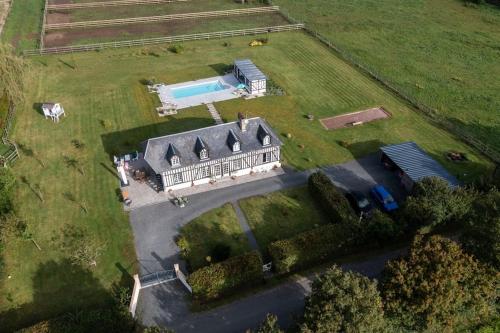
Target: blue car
[384,198]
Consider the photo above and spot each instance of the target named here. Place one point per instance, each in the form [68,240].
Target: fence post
[135,295]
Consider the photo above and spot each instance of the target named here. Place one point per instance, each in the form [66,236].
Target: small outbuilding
[411,163]
[251,76]
[53,111]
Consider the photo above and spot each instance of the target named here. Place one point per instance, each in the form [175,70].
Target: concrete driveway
[155,228]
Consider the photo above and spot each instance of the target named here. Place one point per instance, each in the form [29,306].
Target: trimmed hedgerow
[312,247]
[331,199]
[225,277]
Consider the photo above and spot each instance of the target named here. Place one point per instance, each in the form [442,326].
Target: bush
[7,182]
[311,247]
[224,278]
[176,48]
[382,228]
[331,199]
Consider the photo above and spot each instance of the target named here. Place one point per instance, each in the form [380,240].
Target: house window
[205,172]
[267,140]
[225,168]
[203,154]
[236,164]
[175,160]
[266,157]
[236,146]
[177,178]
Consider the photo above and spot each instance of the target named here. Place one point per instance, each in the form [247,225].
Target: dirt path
[4,11]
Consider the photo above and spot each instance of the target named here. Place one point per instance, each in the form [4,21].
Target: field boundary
[426,110]
[166,39]
[12,154]
[44,22]
[160,18]
[7,5]
[100,4]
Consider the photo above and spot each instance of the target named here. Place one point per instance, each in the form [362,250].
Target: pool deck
[167,97]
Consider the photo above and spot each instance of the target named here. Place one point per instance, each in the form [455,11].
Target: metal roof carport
[415,164]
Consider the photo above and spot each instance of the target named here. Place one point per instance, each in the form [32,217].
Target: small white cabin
[247,73]
[53,111]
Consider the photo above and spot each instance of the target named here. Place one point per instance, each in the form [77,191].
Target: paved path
[156,227]
[285,300]
[214,113]
[242,219]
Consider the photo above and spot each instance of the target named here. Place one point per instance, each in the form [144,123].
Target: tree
[13,70]
[433,202]
[270,325]
[481,235]
[7,182]
[343,302]
[438,287]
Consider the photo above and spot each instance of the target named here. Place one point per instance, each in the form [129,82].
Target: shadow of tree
[122,142]
[59,288]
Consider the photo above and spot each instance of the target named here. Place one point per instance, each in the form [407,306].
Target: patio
[229,91]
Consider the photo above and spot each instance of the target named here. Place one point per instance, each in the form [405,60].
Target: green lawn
[109,110]
[439,51]
[281,215]
[219,226]
[23,24]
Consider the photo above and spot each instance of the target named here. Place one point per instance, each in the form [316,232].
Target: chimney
[242,121]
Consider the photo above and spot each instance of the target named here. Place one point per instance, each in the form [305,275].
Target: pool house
[251,76]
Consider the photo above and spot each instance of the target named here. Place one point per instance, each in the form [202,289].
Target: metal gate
[156,278]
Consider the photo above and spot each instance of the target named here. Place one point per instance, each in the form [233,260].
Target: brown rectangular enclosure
[354,118]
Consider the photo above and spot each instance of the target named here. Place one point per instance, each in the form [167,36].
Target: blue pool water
[197,89]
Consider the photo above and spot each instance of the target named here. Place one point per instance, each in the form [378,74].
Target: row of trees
[437,287]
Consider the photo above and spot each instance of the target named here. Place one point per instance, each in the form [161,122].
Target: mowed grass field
[110,111]
[22,28]
[442,52]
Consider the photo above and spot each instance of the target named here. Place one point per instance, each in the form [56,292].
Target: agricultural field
[23,25]
[441,52]
[138,31]
[109,111]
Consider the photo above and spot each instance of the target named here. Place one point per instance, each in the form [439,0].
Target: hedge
[223,278]
[313,246]
[330,197]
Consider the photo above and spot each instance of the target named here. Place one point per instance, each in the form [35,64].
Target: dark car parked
[359,202]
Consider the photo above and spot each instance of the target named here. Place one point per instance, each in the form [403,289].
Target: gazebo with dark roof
[253,78]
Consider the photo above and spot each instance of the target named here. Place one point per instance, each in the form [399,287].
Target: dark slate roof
[215,138]
[249,70]
[199,145]
[171,151]
[262,133]
[416,163]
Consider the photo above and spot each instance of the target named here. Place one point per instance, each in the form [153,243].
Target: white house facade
[208,154]
[253,78]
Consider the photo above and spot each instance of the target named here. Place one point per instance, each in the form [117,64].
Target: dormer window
[173,156]
[233,142]
[203,154]
[175,160]
[263,135]
[201,149]
[236,147]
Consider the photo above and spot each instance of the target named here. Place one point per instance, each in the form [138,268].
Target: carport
[411,163]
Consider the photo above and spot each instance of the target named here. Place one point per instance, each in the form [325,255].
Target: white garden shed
[253,78]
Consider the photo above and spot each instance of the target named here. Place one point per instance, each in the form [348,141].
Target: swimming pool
[197,89]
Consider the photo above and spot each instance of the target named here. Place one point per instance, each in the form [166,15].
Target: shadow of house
[58,288]
[363,148]
[125,141]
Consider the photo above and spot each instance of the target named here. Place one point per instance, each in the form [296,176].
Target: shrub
[224,278]
[221,252]
[311,247]
[176,48]
[331,199]
[382,228]
[7,183]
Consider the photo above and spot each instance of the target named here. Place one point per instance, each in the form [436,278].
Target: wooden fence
[161,18]
[12,153]
[100,4]
[41,42]
[160,40]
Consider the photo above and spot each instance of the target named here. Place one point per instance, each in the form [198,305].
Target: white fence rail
[167,39]
[70,6]
[12,154]
[161,18]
